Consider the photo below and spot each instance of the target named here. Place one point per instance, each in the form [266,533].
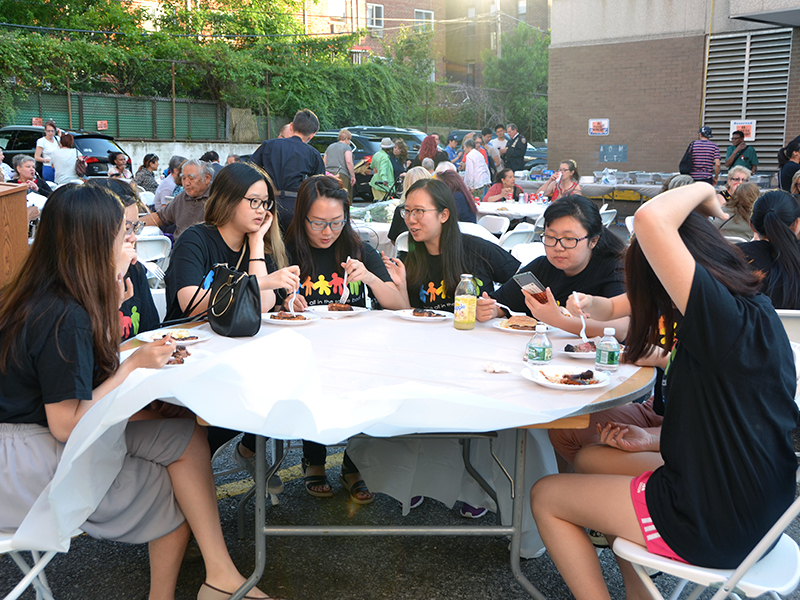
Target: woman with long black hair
[59,344]
[776,254]
[729,414]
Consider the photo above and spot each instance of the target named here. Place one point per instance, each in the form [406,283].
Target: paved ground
[333,568]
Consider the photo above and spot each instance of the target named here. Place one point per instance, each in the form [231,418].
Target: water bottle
[607,356]
[540,349]
[466,303]
[367,217]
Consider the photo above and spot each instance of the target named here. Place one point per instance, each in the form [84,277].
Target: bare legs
[563,506]
[166,554]
[605,460]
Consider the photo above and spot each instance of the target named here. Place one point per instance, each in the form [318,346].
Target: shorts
[653,540]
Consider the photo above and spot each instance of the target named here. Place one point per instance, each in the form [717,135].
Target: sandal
[312,481]
[359,487]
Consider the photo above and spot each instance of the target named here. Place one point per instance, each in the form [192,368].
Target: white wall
[166,150]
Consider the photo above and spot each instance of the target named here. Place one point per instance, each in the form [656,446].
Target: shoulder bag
[685,166]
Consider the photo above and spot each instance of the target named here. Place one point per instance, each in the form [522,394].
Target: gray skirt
[140,505]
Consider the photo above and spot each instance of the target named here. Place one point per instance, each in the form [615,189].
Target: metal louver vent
[748,78]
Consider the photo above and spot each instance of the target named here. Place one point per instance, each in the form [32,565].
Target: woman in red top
[563,182]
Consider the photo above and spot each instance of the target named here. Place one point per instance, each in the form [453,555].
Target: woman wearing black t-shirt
[59,343]
[729,410]
[580,256]
[325,246]
[439,253]
[776,254]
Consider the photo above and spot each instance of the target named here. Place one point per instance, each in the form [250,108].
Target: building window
[471,72]
[375,16]
[522,7]
[423,20]
[336,9]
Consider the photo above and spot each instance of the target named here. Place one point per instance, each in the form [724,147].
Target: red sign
[102,125]
[36,122]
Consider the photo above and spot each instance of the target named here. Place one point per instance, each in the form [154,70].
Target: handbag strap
[241,256]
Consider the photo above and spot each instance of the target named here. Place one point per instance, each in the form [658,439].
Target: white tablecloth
[599,190]
[324,381]
[512,210]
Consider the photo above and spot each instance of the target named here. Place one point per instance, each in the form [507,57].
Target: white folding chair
[33,574]
[167,200]
[147,198]
[495,224]
[477,231]
[150,231]
[402,242]
[791,322]
[153,248]
[538,227]
[368,235]
[605,206]
[525,253]
[516,236]
[629,224]
[778,572]
[608,216]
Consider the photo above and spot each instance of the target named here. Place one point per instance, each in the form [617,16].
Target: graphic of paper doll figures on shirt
[332,287]
[429,294]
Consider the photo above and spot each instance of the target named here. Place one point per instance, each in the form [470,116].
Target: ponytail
[773,215]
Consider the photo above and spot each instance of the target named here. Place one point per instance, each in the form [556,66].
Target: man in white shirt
[491,150]
[500,141]
[167,185]
[476,171]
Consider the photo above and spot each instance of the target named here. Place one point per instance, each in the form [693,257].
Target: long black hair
[587,214]
[650,301]
[774,213]
[347,244]
[451,241]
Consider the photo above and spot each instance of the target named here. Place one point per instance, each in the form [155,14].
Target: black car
[96,147]
[363,148]
[412,137]
[534,155]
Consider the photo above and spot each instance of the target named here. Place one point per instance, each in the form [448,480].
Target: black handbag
[685,167]
[234,305]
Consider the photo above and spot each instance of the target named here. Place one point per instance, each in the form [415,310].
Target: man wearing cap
[705,157]
[289,161]
[383,177]
[514,153]
[740,154]
[453,153]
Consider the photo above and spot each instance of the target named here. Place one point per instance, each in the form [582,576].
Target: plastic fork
[345,289]
[583,319]
[509,311]
[157,271]
[291,303]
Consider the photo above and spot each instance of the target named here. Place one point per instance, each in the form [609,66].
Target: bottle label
[464,309]
[540,354]
[607,357]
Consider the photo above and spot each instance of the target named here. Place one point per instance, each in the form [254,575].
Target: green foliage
[522,71]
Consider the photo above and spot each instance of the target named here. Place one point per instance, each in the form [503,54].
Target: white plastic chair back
[495,224]
[791,322]
[608,216]
[477,231]
[777,573]
[167,200]
[150,231]
[735,239]
[629,224]
[368,235]
[153,248]
[402,242]
[525,253]
[525,226]
[160,300]
[605,206]
[516,236]
[147,198]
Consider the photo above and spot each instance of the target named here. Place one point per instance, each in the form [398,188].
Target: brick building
[473,25]
[659,70]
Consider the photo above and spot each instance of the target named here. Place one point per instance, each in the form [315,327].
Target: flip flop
[359,487]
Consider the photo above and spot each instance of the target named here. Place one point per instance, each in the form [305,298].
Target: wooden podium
[13,228]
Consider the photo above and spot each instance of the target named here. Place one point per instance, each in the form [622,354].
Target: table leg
[518,492]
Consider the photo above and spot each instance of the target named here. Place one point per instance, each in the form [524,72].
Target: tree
[522,71]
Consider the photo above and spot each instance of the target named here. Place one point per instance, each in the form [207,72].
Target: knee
[198,443]
[541,493]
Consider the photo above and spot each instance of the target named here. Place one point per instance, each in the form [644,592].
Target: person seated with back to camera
[580,256]
[322,242]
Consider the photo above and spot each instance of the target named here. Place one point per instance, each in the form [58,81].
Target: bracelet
[258,259]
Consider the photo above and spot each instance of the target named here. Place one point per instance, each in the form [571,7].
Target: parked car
[96,147]
[534,156]
[363,148]
[412,137]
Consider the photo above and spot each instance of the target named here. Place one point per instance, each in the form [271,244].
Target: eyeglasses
[568,243]
[321,225]
[739,179]
[256,203]
[417,213]
[133,227]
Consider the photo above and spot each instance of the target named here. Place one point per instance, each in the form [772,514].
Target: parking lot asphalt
[398,568]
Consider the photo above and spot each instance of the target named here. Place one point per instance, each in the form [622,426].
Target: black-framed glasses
[568,243]
[417,213]
[321,225]
[256,203]
[133,227]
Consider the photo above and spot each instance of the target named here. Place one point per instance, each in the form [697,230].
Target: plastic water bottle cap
[541,328]
[609,331]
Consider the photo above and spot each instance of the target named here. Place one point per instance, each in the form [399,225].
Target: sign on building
[598,126]
[614,153]
[102,125]
[748,127]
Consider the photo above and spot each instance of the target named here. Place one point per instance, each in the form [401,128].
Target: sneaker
[598,539]
[274,485]
[415,502]
[470,512]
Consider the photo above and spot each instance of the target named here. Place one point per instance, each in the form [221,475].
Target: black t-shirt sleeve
[138,313]
[374,263]
[189,264]
[511,294]
[66,363]
[398,225]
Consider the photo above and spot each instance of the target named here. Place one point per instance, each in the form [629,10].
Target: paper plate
[501,325]
[407,314]
[309,318]
[322,311]
[179,334]
[535,373]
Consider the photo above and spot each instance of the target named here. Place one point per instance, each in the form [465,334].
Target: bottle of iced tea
[466,303]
